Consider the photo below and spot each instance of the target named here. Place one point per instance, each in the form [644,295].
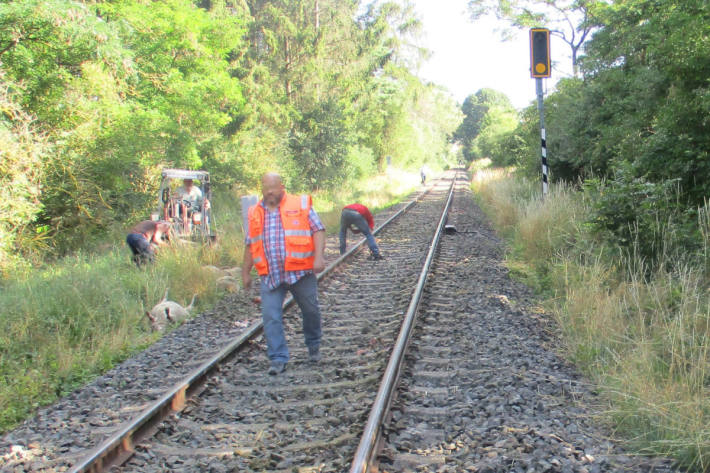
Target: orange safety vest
[297,234]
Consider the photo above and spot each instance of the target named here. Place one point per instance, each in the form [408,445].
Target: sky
[470,56]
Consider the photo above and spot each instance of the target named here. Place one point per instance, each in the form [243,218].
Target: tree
[22,160]
[388,29]
[637,120]
[498,125]
[120,88]
[319,144]
[651,62]
[43,45]
[475,108]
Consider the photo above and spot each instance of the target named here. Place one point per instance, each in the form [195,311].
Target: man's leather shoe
[277,367]
[314,354]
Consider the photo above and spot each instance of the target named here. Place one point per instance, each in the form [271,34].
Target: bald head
[270,178]
[272,189]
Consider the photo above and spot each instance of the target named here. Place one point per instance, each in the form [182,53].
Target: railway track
[310,416]
[479,389]
[482,388]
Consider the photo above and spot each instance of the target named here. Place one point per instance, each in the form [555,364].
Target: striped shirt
[275,247]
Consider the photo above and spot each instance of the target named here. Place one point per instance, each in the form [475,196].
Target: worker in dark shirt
[358,219]
[145,237]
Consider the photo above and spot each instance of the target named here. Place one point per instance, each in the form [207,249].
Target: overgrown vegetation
[98,97]
[639,327]
[489,120]
[636,118]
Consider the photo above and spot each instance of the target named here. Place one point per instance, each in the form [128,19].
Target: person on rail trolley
[285,241]
[358,218]
[190,201]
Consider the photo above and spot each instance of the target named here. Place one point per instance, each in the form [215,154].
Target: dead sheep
[235,272]
[228,283]
[168,311]
[222,272]
[218,272]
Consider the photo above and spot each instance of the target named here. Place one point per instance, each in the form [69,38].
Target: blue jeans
[352,217]
[140,247]
[305,293]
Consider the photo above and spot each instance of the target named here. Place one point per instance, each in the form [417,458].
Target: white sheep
[168,311]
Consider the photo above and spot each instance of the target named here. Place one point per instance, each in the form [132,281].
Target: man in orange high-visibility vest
[285,242]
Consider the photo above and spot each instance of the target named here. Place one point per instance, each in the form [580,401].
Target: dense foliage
[489,119]
[20,172]
[635,124]
[98,97]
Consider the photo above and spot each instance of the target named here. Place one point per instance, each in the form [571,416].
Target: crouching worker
[145,237]
[285,242]
[358,218]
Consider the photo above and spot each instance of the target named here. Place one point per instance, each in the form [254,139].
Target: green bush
[642,217]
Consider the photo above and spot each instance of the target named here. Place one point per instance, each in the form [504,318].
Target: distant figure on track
[144,239]
[286,242]
[358,219]
[422,173]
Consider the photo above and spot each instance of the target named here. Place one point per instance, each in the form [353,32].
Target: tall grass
[64,324]
[641,333]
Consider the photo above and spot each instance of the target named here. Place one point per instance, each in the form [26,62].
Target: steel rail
[371,434]
[119,447]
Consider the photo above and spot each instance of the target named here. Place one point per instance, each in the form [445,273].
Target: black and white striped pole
[541,109]
[539,69]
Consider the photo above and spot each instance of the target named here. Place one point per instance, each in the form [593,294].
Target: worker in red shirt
[358,219]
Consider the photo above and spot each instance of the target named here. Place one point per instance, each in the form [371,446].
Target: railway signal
[539,69]
[540,52]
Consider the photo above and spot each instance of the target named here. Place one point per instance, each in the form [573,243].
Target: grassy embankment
[64,324]
[643,338]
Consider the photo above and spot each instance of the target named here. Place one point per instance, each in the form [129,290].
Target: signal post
[539,69]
